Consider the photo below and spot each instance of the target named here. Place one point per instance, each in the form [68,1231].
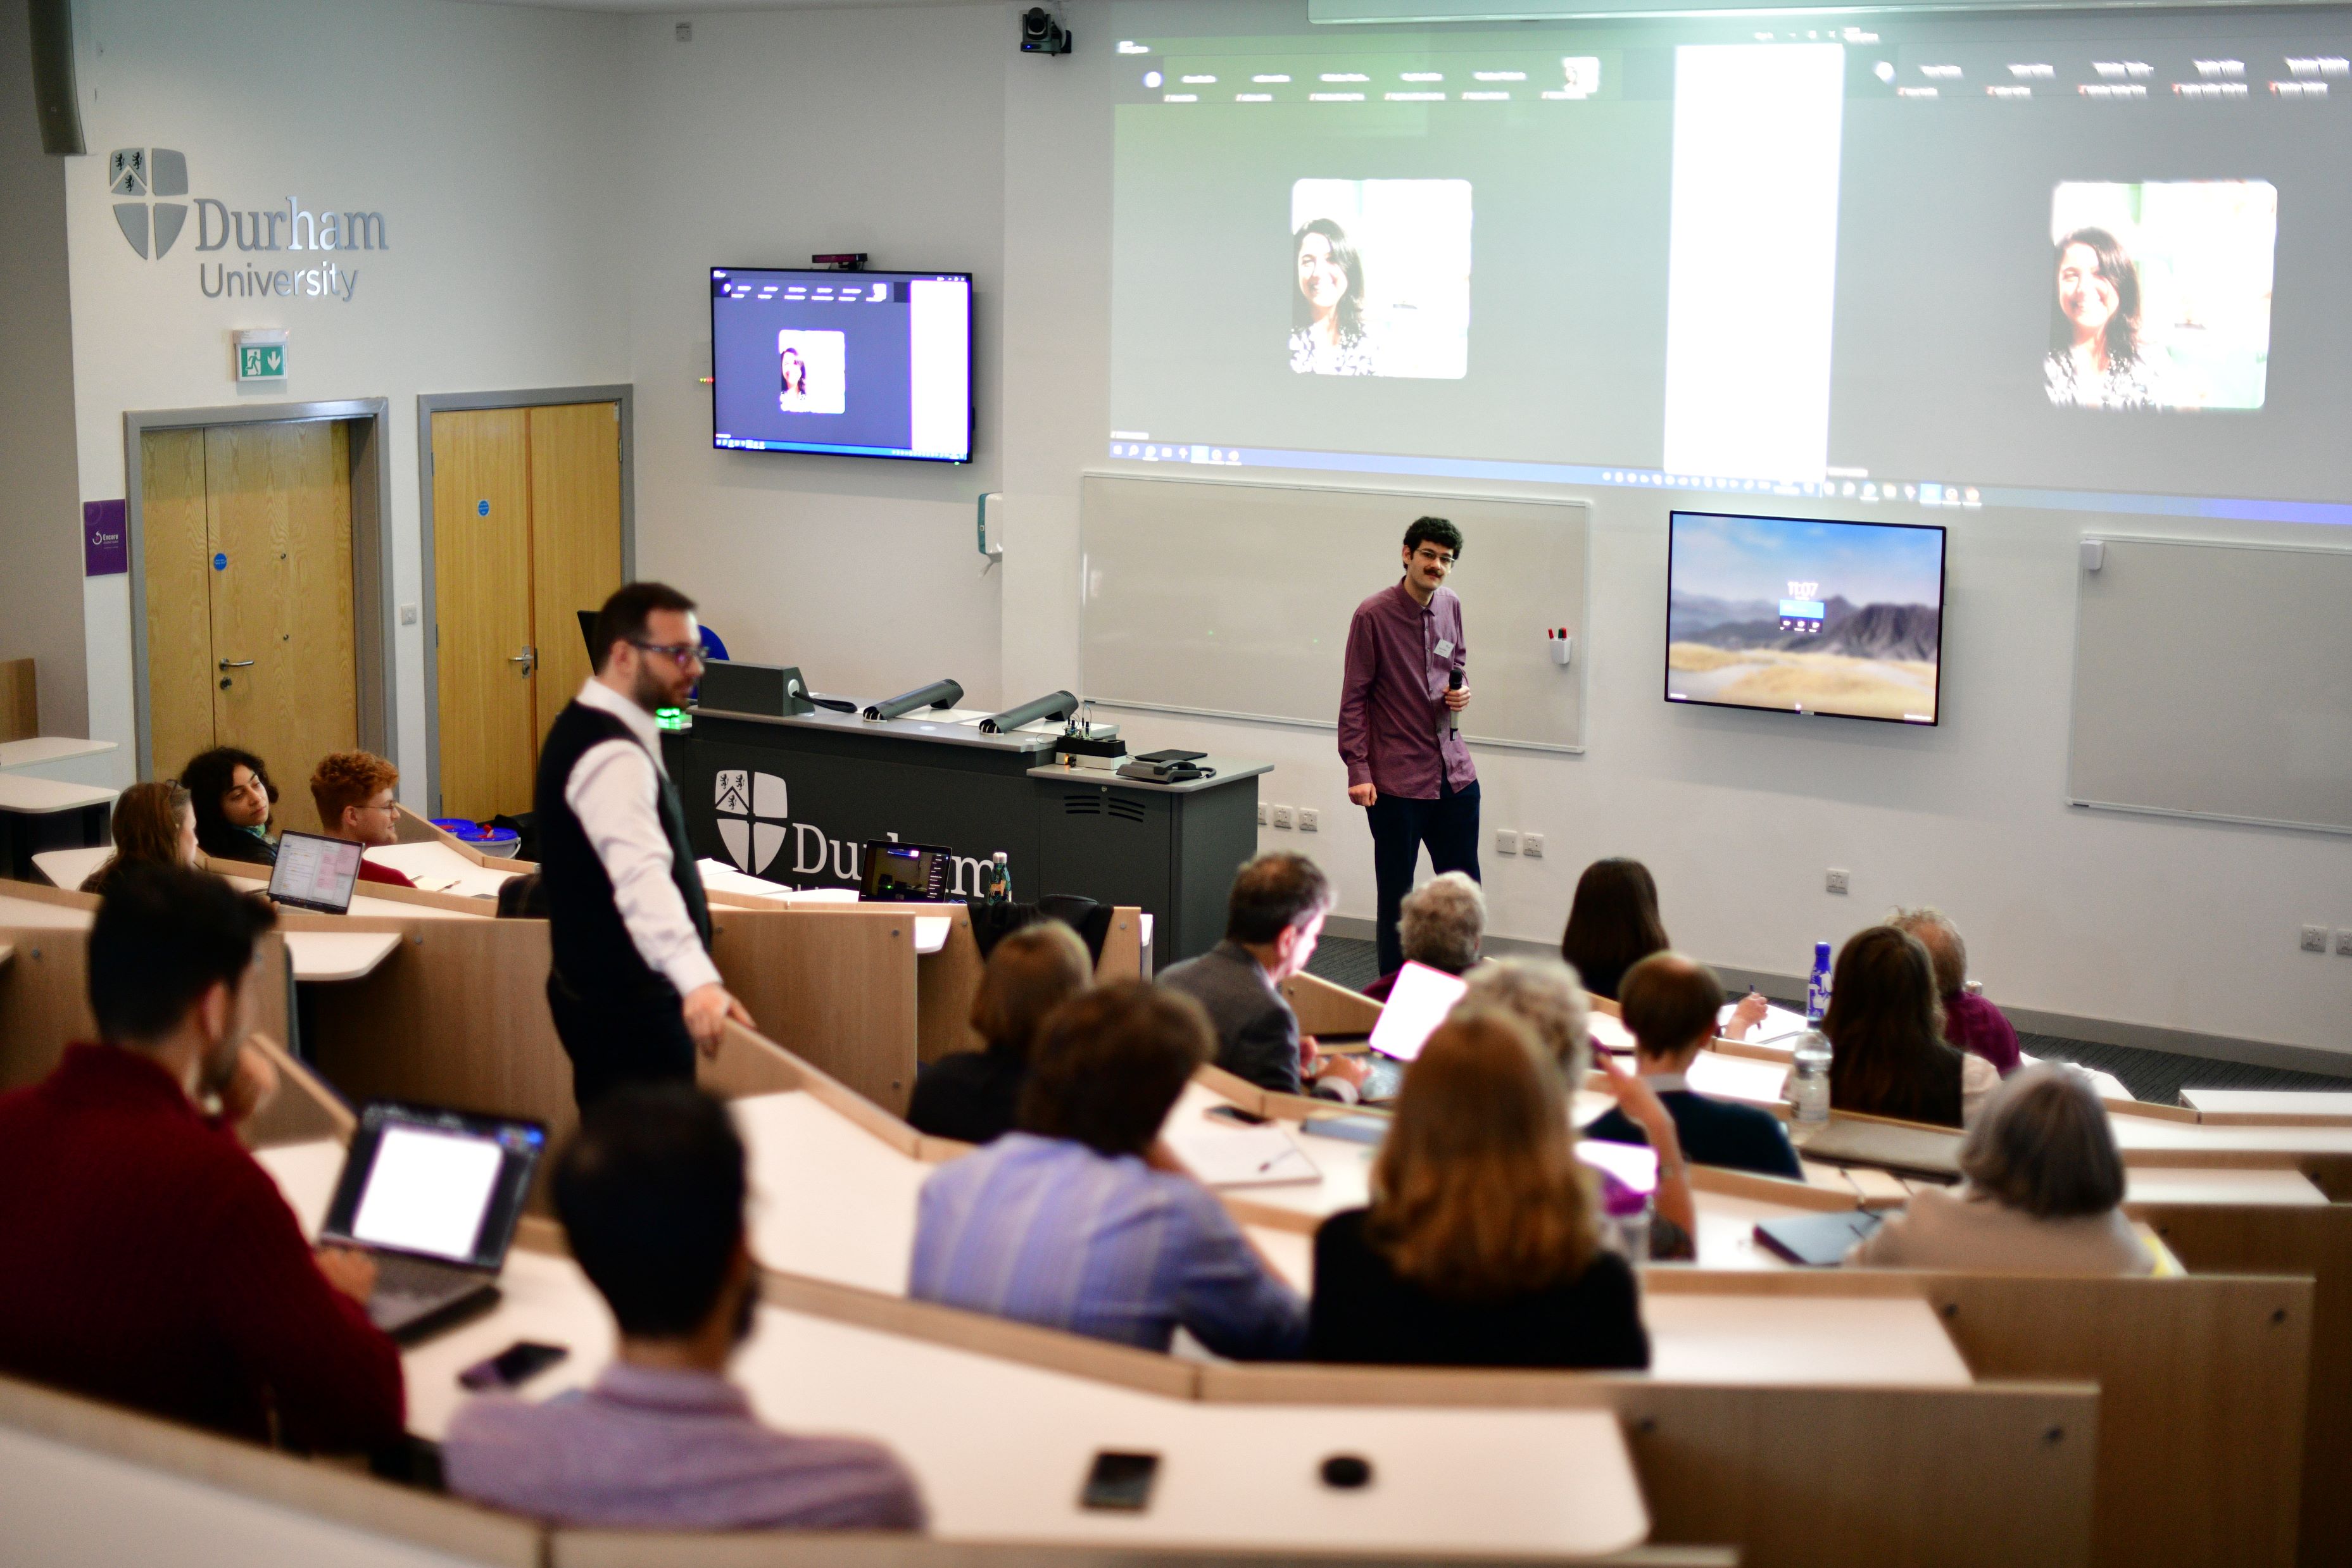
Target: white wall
[2184,926]
[40,519]
[489,139]
[770,138]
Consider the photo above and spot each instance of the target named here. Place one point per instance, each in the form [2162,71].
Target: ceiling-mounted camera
[1043,31]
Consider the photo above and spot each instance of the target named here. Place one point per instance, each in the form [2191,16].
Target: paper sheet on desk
[1225,1153]
[1781,1027]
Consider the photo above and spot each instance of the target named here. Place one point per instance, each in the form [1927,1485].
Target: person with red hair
[353,790]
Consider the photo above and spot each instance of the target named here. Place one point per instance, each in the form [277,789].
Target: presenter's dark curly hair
[1348,317]
[1435,532]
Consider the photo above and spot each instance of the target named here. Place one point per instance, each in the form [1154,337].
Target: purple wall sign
[105,539]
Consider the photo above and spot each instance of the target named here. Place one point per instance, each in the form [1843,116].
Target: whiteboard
[1230,597]
[2215,680]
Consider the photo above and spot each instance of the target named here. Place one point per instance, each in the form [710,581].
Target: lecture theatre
[960,783]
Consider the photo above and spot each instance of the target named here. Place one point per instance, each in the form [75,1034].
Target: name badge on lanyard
[1444,648]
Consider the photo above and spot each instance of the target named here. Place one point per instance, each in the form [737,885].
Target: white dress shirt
[614,790]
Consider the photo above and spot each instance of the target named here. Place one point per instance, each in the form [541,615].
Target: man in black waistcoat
[633,989]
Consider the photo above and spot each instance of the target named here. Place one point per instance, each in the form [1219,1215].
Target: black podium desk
[792,800]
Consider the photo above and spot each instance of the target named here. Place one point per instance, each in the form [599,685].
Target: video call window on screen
[866,364]
[2012,261]
[1800,615]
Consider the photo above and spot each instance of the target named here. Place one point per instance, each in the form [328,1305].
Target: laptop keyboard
[1383,1079]
[402,1282]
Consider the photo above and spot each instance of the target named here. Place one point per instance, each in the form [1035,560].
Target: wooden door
[575,542]
[482,608]
[285,674]
[176,546]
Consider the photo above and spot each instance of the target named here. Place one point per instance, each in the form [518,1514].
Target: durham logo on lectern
[754,819]
[152,226]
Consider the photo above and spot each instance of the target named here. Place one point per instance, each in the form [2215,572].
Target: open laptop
[315,873]
[893,873]
[1417,1004]
[432,1196]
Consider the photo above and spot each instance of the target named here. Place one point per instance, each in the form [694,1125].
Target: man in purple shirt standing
[1408,767]
[651,1193]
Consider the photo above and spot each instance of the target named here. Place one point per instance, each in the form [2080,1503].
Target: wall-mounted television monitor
[868,364]
[1803,615]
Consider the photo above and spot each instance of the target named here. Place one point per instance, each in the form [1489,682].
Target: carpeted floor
[2157,1076]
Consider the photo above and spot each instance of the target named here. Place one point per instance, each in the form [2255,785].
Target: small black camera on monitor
[1041,32]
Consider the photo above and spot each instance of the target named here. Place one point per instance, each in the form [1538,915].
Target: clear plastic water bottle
[1625,1225]
[1817,989]
[1808,1081]
[1000,880]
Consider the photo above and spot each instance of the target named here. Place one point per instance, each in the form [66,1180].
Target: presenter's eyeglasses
[680,653]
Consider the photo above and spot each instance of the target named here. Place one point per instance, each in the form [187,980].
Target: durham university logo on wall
[152,207]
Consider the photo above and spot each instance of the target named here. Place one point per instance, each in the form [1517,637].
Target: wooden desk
[59,757]
[46,814]
[328,956]
[2260,1106]
[1834,1341]
[2145,1185]
[829,1200]
[1001,1449]
[435,867]
[68,869]
[370,907]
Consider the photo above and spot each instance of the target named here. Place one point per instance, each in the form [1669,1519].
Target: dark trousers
[1448,825]
[619,1039]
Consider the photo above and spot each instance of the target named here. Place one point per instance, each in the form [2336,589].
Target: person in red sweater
[353,790]
[145,1258]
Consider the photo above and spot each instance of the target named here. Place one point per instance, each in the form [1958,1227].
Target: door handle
[528,659]
[236,664]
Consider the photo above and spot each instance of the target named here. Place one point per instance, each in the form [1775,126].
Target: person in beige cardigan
[2043,1195]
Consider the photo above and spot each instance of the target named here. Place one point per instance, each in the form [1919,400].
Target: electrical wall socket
[2314,939]
[1282,817]
[1839,881]
[2343,941]
[1506,840]
[1531,846]
[1260,813]
[1310,820]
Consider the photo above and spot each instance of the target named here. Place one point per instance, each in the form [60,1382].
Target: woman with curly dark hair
[232,793]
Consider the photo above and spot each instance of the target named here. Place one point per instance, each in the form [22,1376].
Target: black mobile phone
[1235,1114]
[1121,1481]
[513,1366]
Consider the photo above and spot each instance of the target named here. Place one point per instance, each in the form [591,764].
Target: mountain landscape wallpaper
[1806,617]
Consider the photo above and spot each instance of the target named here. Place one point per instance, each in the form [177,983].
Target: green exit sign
[260,362]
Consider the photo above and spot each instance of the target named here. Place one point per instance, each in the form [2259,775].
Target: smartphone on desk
[1234,1113]
[1121,1481]
[513,1366]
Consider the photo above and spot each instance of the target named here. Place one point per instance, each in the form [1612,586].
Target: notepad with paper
[1221,1153]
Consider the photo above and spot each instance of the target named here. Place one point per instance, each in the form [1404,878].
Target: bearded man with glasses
[633,991]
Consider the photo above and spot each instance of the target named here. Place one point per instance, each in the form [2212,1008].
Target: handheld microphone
[1454,715]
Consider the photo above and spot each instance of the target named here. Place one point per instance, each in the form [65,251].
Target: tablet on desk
[315,873]
[1417,1004]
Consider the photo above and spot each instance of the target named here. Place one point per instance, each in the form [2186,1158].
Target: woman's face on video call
[2088,297]
[1320,278]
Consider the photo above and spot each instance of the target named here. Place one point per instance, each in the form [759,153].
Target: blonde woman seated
[2043,1196]
[1481,1246]
[1545,995]
[154,824]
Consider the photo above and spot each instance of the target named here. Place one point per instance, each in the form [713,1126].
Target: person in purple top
[1407,764]
[651,1193]
[1970,1022]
